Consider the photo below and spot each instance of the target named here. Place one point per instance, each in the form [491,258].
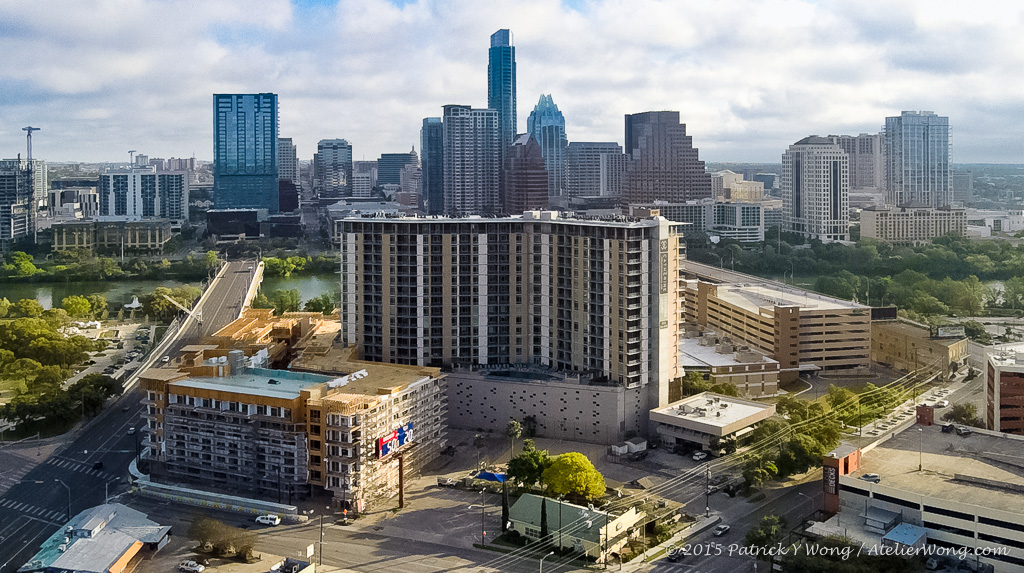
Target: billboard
[951,332]
[394,440]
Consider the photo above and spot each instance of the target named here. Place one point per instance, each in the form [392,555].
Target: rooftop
[982,469]
[692,353]
[99,538]
[1008,356]
[756,295]
[545,216]
[714,411]
[281,384]
[912,330]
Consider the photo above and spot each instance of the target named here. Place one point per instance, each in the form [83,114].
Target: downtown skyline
[748,79]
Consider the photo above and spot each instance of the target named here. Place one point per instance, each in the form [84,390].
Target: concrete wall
[563,409]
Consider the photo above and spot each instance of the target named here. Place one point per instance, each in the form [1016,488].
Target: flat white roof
[711,413]
[755,295]
[691,353]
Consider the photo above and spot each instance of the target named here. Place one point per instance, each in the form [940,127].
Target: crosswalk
[28,509]
[77,467]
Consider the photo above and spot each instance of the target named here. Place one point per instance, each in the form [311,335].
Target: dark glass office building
[501,85]
[245,151]
[432,163]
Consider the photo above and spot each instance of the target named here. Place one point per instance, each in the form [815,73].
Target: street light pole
[542,561]
[69,495]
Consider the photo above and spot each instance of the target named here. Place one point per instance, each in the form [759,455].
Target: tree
[528,467]
[758,470]
[98,304]
[324,304]
[5,306]
[76,305]
[211,261]
[543,518]
[261,301]
[768,532]
[573,474]
[285,300]
[513,430]
[966,414]
[28,307]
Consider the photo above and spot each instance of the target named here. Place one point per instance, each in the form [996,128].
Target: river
[119,292]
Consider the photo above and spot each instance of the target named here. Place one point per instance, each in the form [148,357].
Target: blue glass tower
[432,163]
[245,151]
[501,85]
[547,126]
[916,155]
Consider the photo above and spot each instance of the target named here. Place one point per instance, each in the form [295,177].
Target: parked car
[875,478]
[963,430]
[269,519]
[942,403]
[698,456]
[637,456]
[165,359]
[131,431]
[97,466]
[948,428]
[191,567]
[447,482]
[682,450]
[720,530]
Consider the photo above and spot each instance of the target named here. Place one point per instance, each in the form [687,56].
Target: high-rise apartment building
[569,294]
[245,151]
[594,169]
[390,166]
[816,189]
[501,86]
[364,178]
[143,192]
[916,155]
[547,125]
[432,161]
[525,182]
[866,165]
[662,164]
[332,168]
[287,161]
[472,160]
[22,184]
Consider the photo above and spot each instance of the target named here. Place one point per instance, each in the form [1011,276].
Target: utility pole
[707,489]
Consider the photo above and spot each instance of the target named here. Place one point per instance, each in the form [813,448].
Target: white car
[191,567]
[269,519]
[942,403]
[698,456]
[721,530]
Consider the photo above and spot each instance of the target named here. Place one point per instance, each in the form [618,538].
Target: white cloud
[749,77]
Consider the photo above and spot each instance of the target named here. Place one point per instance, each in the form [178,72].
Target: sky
[749,77]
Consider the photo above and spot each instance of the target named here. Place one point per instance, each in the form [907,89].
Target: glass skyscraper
[547,126]
[432,161]
[501,85]
[917,159]
[245,151]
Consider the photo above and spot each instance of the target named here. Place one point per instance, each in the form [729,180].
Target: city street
[94,460]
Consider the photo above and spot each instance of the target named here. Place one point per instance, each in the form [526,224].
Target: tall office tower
[662,163]
[432,150]
[409,189]
[963,186]
[245,151]
[332,168]
[390,165]
[141,160]
[547,126]
[472,160]
[866,165]
[525,177]
[22,185]
[501,86]
[364,178]
[594,169]
[816,189]
[143,192]
[917,159]
[287,161]
[596,295]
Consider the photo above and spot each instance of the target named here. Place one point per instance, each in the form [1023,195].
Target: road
[37,505]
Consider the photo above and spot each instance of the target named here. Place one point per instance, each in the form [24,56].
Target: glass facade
[501,85]
[432,149]
[917,159]
[245,151]
[547,125]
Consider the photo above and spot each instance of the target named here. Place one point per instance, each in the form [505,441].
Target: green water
[121,292]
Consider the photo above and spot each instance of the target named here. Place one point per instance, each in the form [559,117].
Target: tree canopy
[528,467]
[573,474]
